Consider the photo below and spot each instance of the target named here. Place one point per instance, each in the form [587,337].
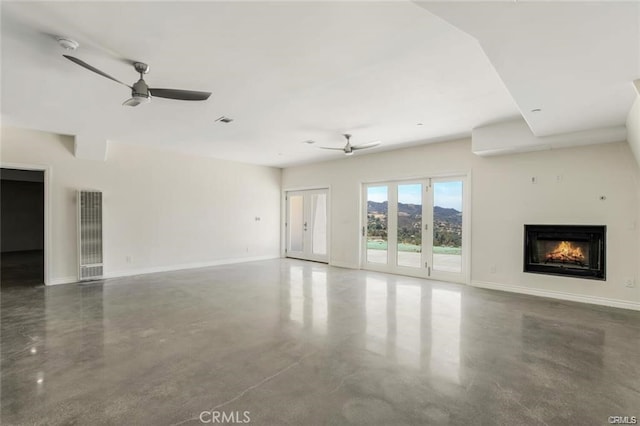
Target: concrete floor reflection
[415,326]
[303,343]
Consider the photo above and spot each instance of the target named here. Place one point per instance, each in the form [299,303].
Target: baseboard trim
[63,280]
[156,269]
[343,265]
[180,267]
[594,300]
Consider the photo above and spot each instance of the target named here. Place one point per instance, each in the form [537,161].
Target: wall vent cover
[90,235]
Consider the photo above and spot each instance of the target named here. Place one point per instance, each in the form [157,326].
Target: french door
[307,225]
[415,227]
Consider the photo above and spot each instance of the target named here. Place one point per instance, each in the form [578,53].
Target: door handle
[305,226]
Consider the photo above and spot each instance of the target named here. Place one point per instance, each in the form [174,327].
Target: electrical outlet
[534,180]
[493,269]
[128,259]
[630,282]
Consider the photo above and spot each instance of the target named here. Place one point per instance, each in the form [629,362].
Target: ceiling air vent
[224,119]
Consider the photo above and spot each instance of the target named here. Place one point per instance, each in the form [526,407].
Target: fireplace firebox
[569,250]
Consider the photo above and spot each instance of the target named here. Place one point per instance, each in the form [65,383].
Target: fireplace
[568,250]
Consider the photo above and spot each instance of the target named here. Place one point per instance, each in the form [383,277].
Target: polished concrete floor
[22,268]
[288,342]
[441,262]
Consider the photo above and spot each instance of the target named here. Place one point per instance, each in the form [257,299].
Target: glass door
[307,225]
[376,241]
[393,230]
[447,230]
[414,228]
[295,225]
[409,224]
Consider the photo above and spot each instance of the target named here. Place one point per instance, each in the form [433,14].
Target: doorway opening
[307,225]
[22,217]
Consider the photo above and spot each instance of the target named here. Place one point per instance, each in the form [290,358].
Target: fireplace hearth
[569,250]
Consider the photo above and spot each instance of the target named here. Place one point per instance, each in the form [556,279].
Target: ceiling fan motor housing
[140,90]
[347,147]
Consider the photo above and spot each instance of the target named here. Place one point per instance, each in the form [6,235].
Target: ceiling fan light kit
[136,100]
[140,90]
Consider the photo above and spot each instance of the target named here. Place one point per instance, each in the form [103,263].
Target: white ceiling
[290,72]
[575,61]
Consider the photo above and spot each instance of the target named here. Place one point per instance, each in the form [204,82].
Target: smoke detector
[67,43]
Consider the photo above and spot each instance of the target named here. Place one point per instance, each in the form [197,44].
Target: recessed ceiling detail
[575,58]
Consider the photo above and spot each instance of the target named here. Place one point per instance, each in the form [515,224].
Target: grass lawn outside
[382,245]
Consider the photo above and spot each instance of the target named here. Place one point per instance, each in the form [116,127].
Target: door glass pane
[410,225]
[296,220]
[377,210]
[447,226]
[319,224]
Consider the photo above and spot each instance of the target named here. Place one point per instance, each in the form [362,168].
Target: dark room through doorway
[22,227]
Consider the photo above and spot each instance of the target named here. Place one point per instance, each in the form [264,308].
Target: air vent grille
[223,119]
[90,234]
[90,272]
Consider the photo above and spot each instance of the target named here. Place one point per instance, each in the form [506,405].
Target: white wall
[569,185]
[345,177]
[162,209]
[633,137]
[633,128]
[503,200]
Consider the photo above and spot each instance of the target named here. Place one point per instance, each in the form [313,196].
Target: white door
[307,225]
[414,228]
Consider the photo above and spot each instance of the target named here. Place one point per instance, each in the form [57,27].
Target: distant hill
[447,223]
[373,207]
[447,215]
[415,210]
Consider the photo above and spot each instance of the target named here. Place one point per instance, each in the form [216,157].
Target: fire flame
[565,252]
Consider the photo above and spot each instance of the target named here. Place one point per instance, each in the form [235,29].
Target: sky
[446,194]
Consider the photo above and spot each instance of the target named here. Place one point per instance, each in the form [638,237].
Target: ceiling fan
[140,92]
[348,148]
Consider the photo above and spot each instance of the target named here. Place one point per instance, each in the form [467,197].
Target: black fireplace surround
[569,250]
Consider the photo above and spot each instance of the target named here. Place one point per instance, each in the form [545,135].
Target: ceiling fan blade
[181,95]
[366,145]
[328,147]
[94,69]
